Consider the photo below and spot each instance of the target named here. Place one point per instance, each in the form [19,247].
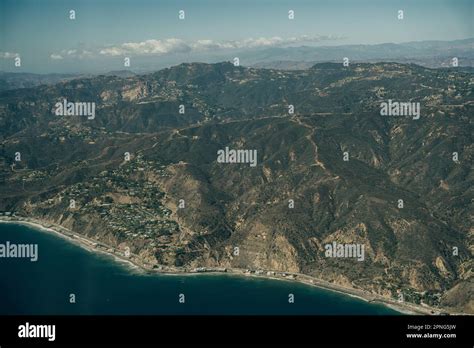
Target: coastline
[134,262]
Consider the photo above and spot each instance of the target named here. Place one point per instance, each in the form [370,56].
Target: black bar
[224,330]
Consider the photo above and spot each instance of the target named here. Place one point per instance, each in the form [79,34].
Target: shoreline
[135,264]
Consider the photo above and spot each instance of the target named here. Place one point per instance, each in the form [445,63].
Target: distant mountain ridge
[432,54]
[9,80]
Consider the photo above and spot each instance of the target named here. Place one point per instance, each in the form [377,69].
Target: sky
[104,32]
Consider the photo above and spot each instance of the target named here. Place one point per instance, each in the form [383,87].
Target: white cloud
[148,47]
[261,42]
[56,56]
[8,55]
[72,53]
[173,45]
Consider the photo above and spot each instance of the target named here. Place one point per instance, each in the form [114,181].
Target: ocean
[102,285]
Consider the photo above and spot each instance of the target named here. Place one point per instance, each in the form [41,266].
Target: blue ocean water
[102,285]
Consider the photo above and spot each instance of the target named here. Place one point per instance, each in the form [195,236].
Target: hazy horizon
[144,70]
[102,33]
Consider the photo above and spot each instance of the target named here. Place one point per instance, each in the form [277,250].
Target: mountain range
[332,169]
